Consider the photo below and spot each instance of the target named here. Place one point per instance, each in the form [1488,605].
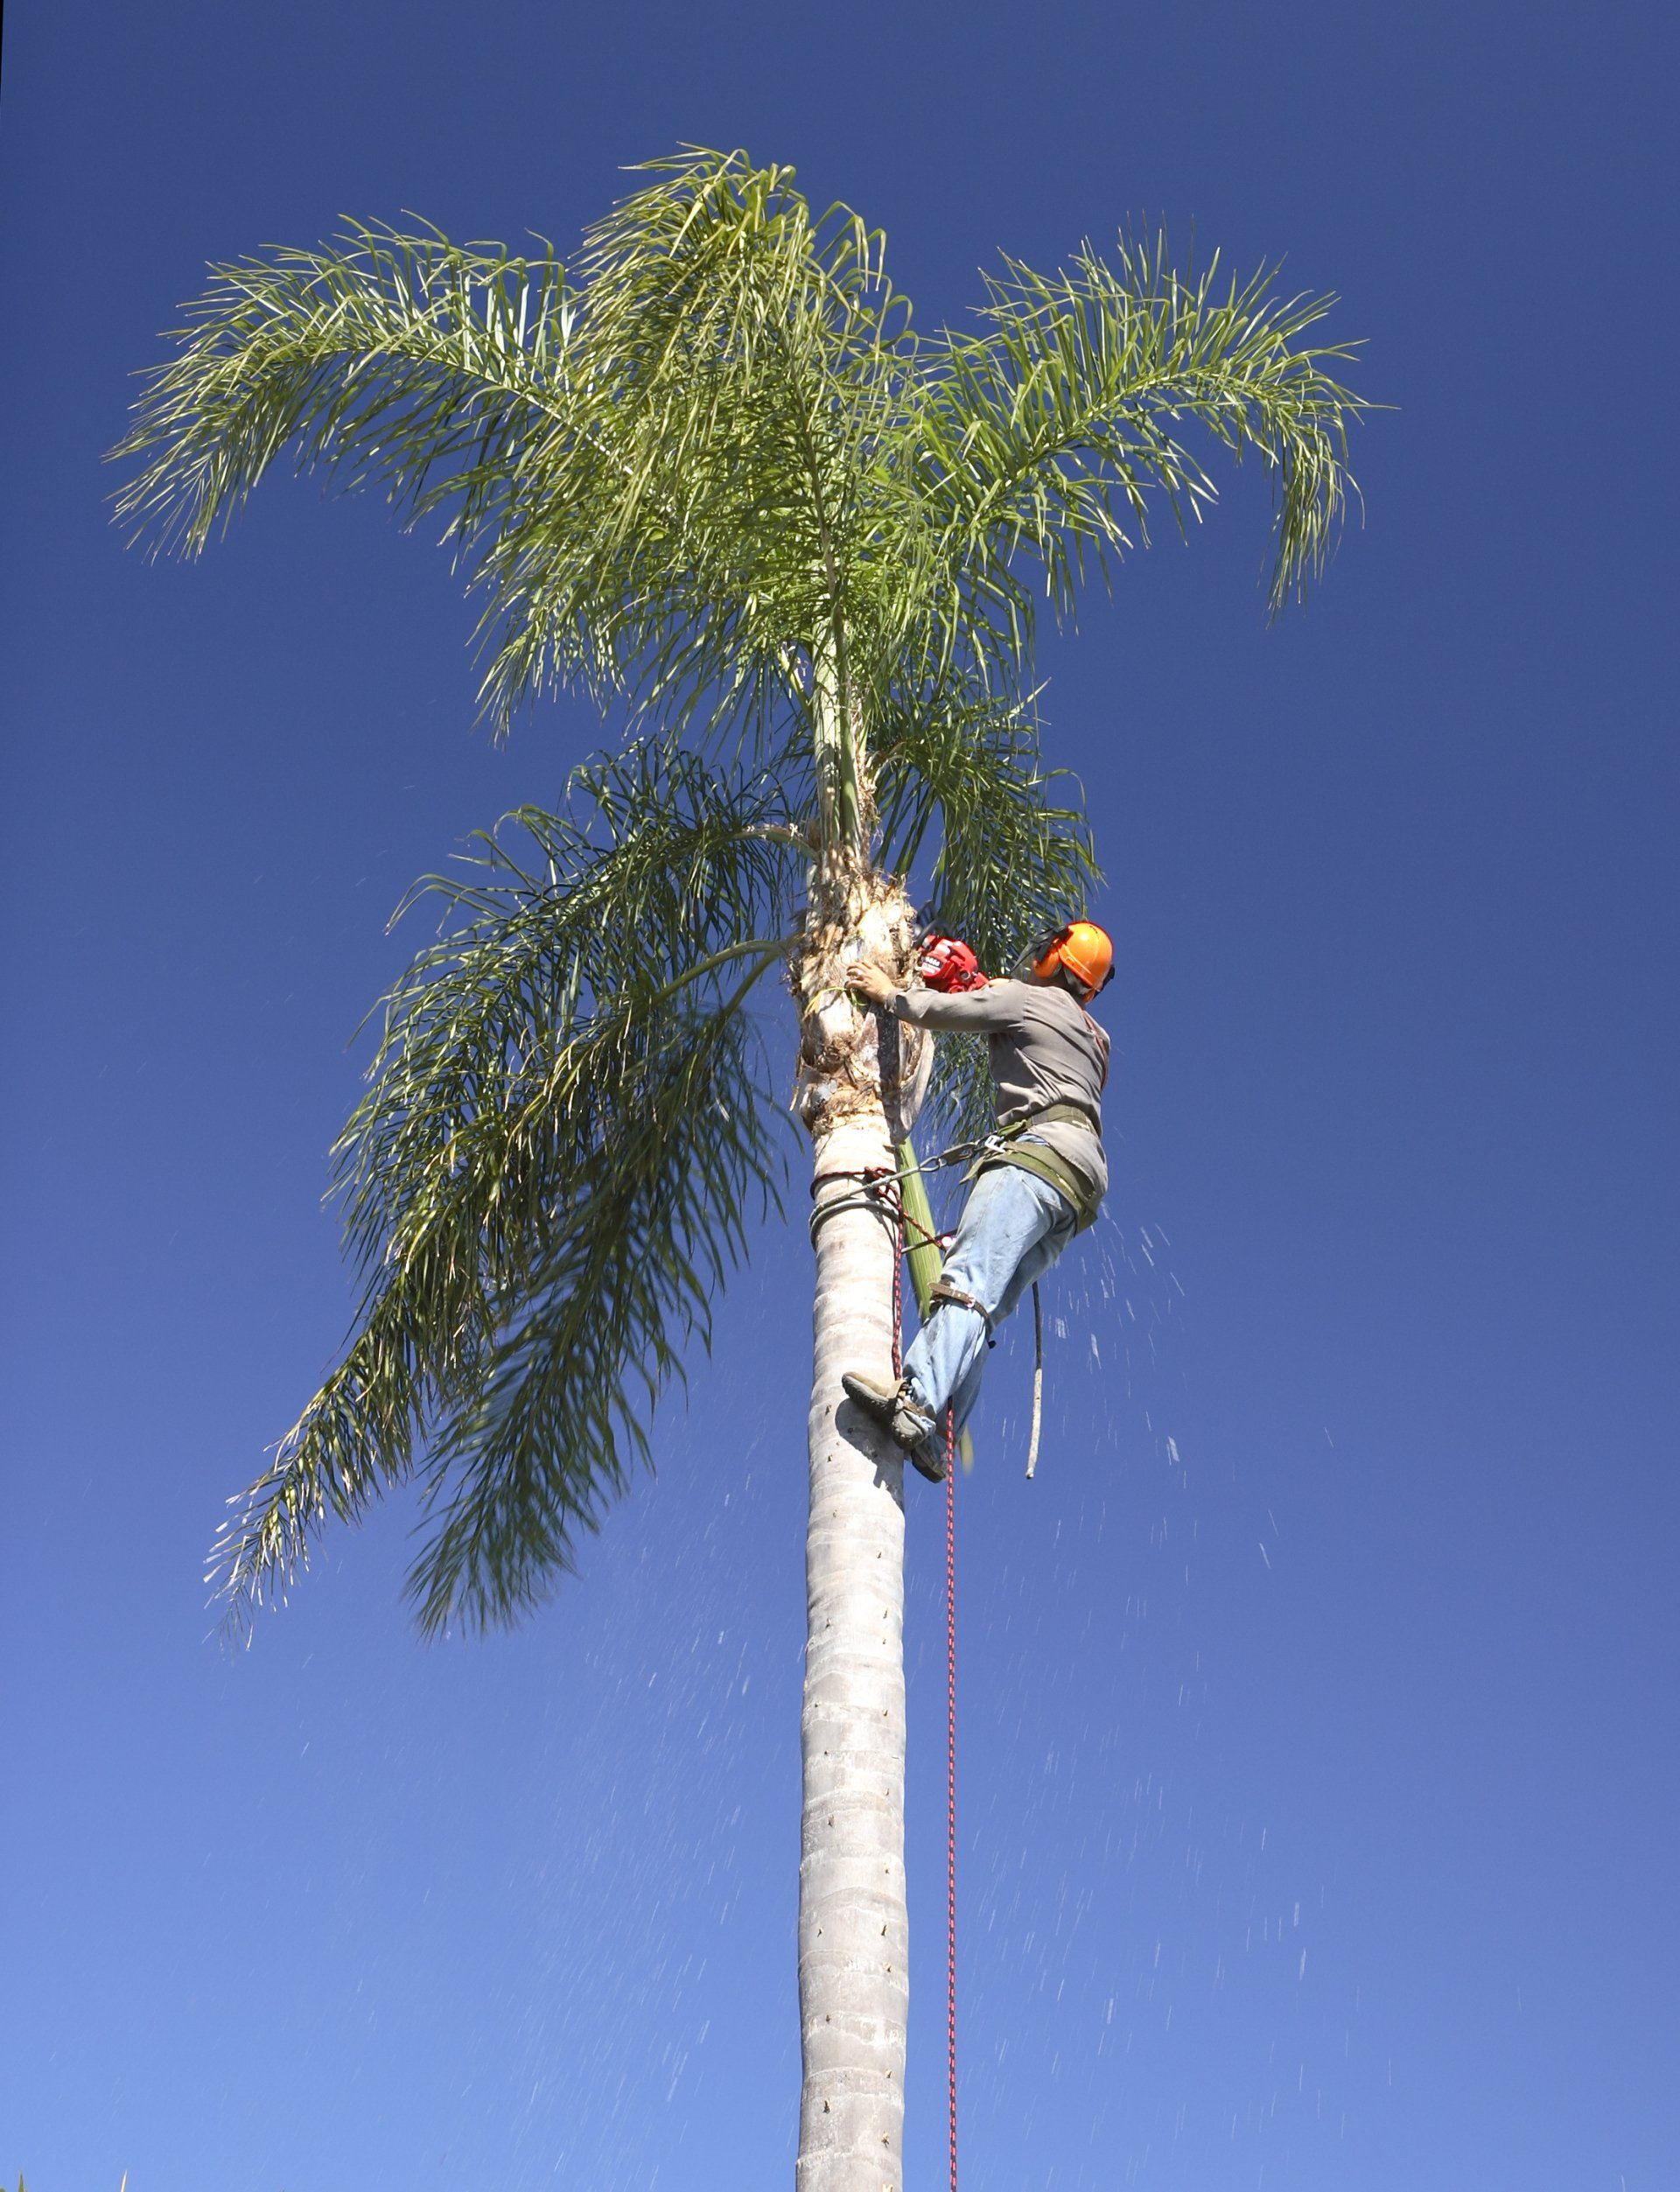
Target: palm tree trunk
[853,1921]
[861,1078]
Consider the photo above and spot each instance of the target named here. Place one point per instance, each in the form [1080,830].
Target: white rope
[1037,1382]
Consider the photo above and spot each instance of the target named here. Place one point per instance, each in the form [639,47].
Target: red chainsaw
[946,963]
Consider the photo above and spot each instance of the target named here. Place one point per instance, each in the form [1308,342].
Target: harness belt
[1004,1147]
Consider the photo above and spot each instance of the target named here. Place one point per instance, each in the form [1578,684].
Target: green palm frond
[398,360]
[650,472]
[565,1396]
[565,1130]
[1049,437]
[709,533]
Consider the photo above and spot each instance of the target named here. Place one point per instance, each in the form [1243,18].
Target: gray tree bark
[853,1917]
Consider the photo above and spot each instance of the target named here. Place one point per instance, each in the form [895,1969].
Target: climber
[1039,1179]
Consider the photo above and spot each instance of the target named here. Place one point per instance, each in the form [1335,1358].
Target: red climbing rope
[950,1769]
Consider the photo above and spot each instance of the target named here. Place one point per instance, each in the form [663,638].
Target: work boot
[911,1429]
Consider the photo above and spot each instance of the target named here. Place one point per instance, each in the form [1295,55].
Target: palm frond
[389,359]
[563,1399]
[650,470]
[566,1125]
[712,471]
[1050,437]
[736,358]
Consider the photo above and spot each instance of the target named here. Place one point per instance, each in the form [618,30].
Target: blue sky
[1320,1794]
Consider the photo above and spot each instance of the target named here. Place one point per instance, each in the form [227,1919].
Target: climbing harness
[880,1188]
[1000,1146]
[1016,1144]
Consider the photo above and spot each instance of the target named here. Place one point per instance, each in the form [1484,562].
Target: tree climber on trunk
[1039,1179]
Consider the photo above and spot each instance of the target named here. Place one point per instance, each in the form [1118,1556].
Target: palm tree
[711,476]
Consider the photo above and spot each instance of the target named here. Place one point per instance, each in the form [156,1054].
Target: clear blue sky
[1319,1785]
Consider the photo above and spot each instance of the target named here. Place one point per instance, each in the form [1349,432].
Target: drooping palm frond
[565,1396]
[1047,439]
[391,359]
[565,1132]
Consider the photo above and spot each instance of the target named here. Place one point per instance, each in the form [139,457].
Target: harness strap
[1038,1159]
[942,1290]
[875,1189]
[1073,1114]
[1004,1147]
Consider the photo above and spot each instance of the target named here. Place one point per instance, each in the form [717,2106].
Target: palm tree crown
[712,474]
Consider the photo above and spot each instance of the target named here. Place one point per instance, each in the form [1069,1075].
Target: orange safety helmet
[1084,950]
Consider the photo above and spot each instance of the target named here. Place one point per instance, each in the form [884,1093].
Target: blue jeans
[1014,1227]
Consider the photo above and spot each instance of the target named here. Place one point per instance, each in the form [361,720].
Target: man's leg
[1014,1228]
[1032,1266]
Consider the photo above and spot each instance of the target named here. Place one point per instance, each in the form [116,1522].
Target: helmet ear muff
[1045,951]
[1033,953]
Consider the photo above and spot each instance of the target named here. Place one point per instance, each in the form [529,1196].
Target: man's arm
[969,1013]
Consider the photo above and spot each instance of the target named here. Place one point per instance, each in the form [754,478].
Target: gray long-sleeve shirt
[1043,1047]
